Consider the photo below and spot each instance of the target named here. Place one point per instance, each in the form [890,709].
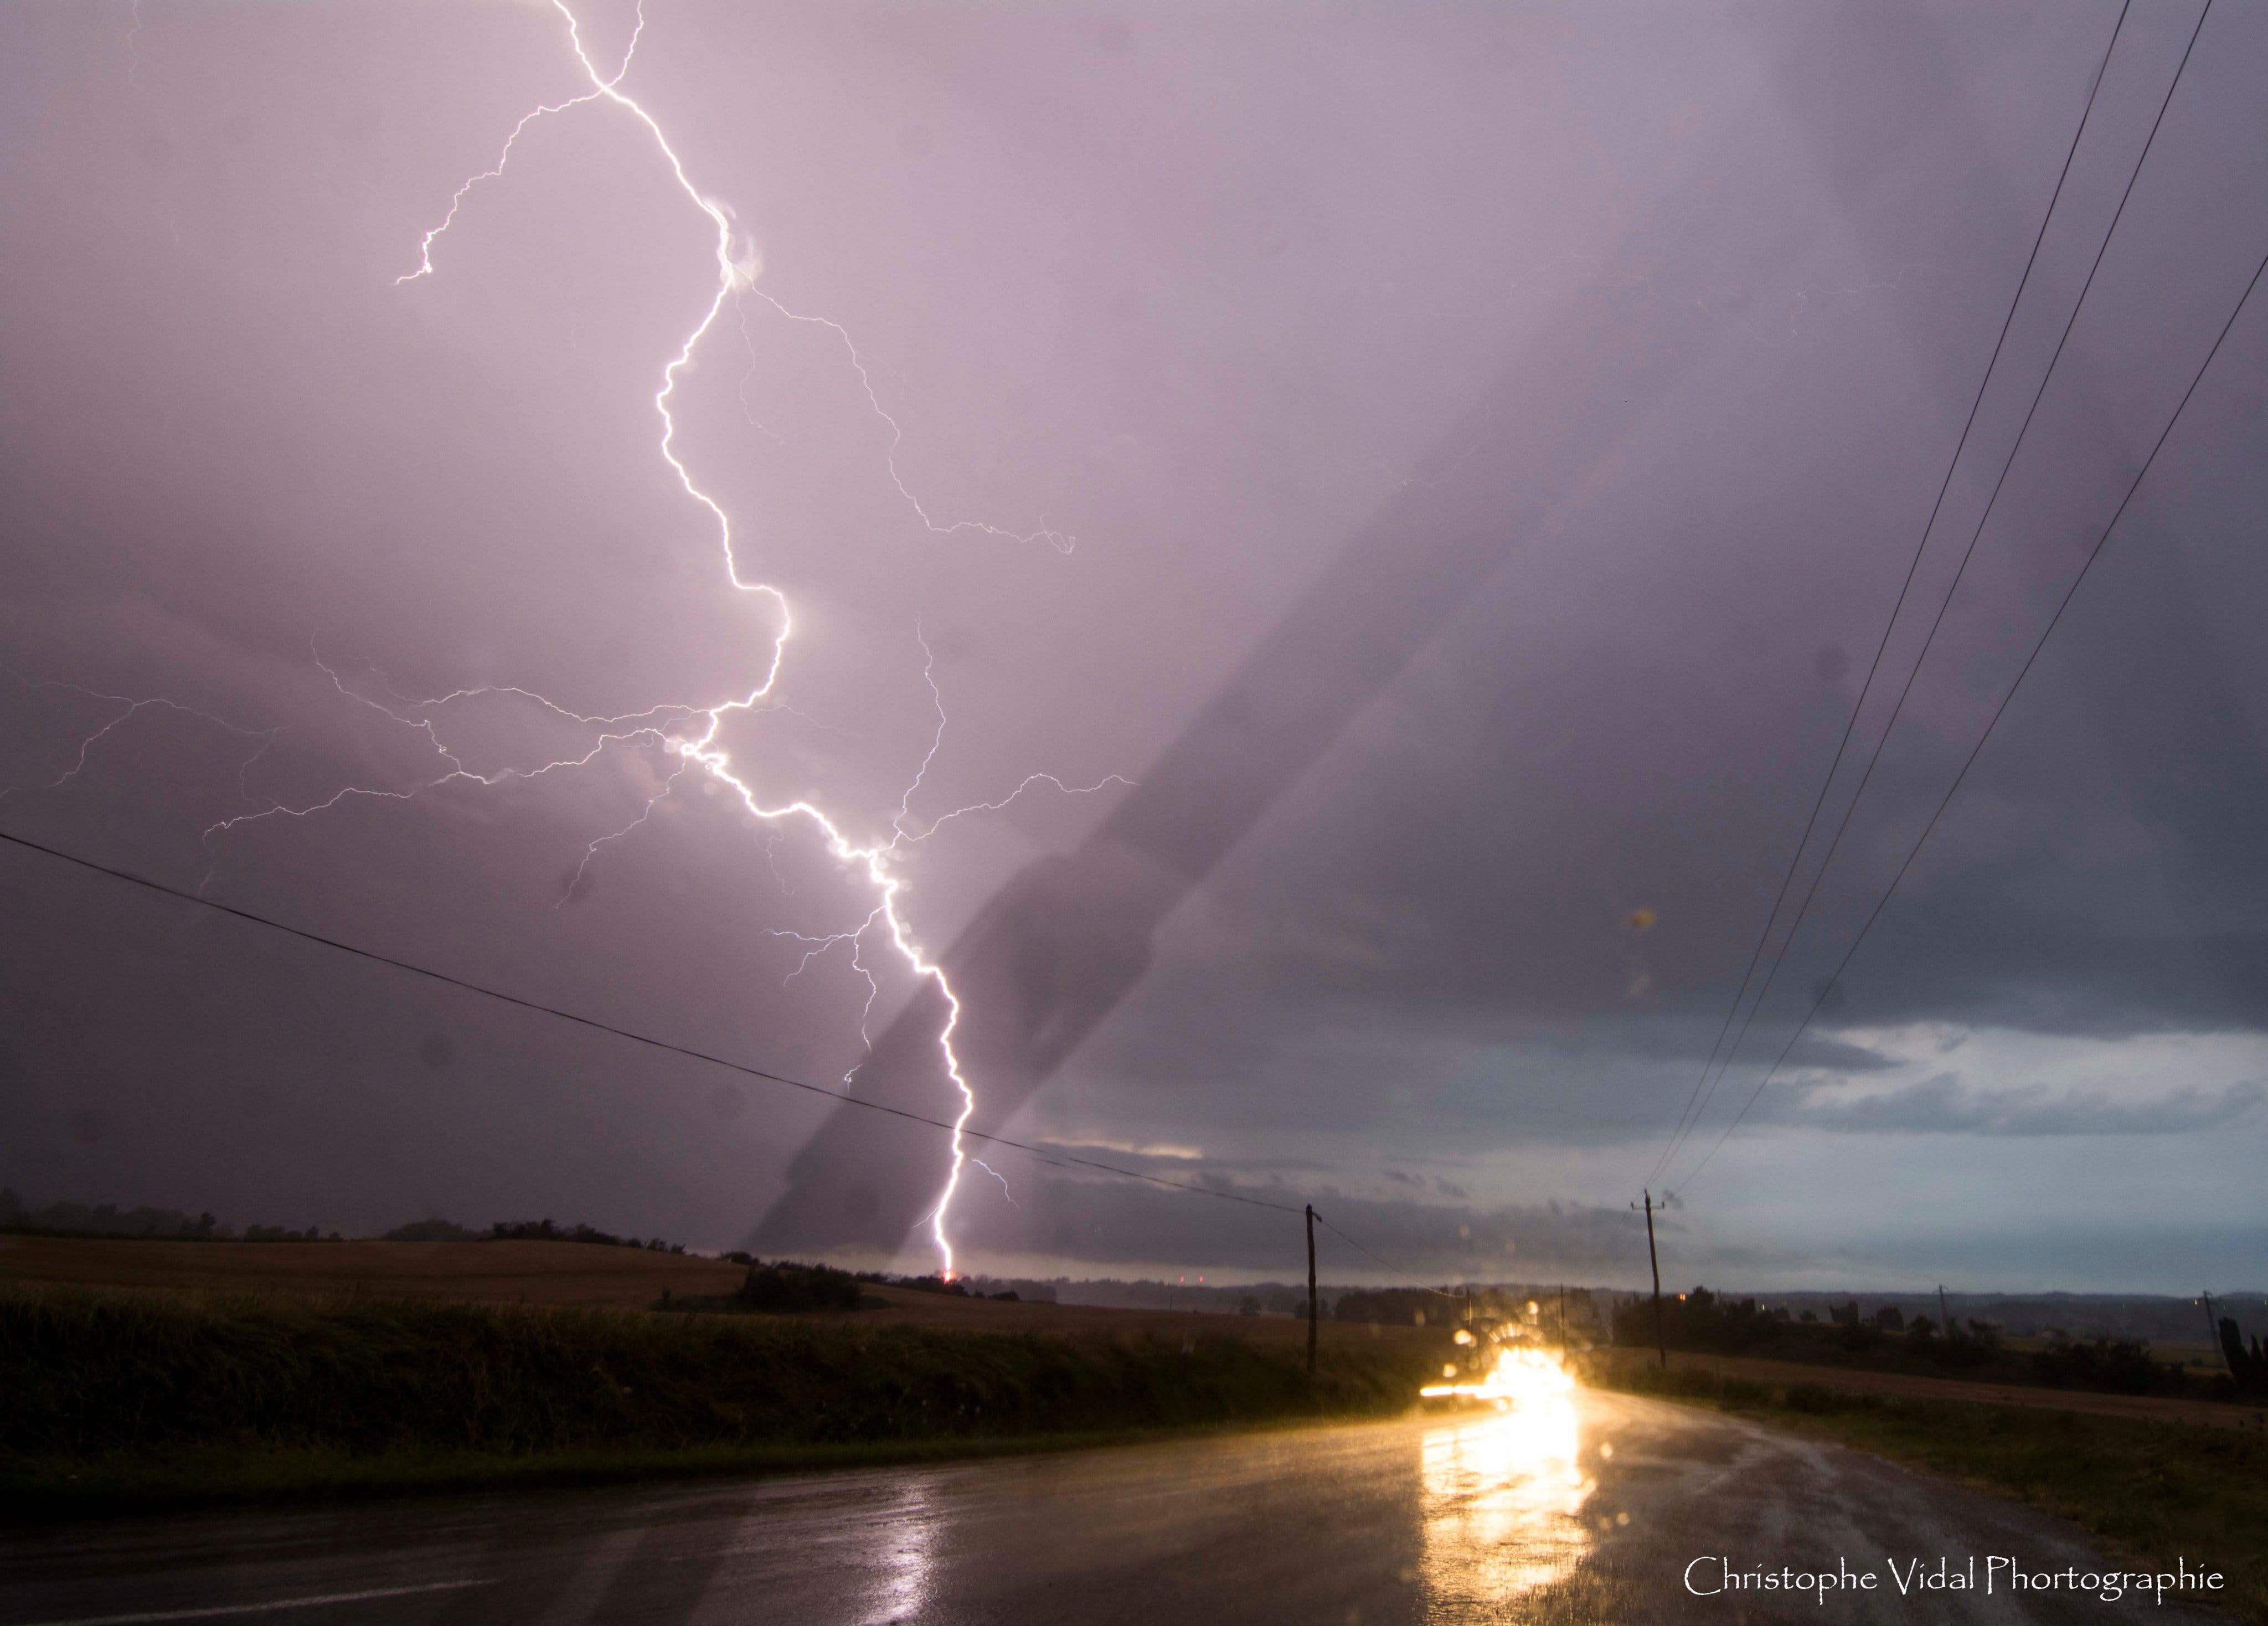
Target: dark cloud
[1944,1106]
[1211,291]
[1129,1227]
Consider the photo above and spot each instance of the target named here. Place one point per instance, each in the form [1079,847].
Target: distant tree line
[1395,1306]
[1115,1293]
[2158,1316]
[107,1219]
[959,1286]
[528,1231]
[1015,1288]
[784,1287]
[1554,1311]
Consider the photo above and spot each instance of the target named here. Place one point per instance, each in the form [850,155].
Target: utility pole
[1311,1307]
[2212,1333]
[1944,1315]
[1660,1338]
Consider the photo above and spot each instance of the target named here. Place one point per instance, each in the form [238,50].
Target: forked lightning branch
[692,734]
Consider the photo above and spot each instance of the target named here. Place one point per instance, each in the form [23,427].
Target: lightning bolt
[129,707]
[597,90]
[996,1175]
[1030,779]
[1055,539]
[692,733]
[567,893]
[689,732]
[737,277]
[420,717]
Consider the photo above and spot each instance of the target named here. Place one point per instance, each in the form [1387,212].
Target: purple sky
[1078,351]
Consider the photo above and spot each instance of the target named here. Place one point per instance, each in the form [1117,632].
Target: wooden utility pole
[1311,1307]
[2212,1333]
[1653,1260]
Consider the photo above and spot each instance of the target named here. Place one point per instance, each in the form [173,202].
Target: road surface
[1593,1511]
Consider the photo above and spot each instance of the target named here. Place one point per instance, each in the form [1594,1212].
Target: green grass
[2153,1492]
[115,1401]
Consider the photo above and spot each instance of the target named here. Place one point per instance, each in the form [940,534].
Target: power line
[1977,750]
[1375,1260]
[1937,622]
[1913,673]
[1697,1100]
[1059,1160]
[1055,1159]
[1968,554]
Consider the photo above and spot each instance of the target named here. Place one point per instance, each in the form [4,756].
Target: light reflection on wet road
[1502,1507]
[1585,1510]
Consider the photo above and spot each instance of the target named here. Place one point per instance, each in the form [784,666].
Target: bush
[1856,1337]
[784,1288]
[2119,1365]
[1967,1350]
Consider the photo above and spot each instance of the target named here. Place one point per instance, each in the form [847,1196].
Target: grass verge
[121,1401]
[2153,1491]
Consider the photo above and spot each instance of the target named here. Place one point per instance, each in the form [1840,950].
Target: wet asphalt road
[1591,1512]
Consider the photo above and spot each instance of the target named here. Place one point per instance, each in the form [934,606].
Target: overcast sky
[1072,351]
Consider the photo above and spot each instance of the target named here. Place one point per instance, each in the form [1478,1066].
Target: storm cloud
[1082,353]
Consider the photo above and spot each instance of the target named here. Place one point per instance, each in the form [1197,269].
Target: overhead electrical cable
[1975,750]
[1058,1158]
[1696,1099]
[1937,622]
[1383,1264]
[1054,1158]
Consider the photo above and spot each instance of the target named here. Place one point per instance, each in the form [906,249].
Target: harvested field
[531,1273]
[2138,1407]
[580,1276]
